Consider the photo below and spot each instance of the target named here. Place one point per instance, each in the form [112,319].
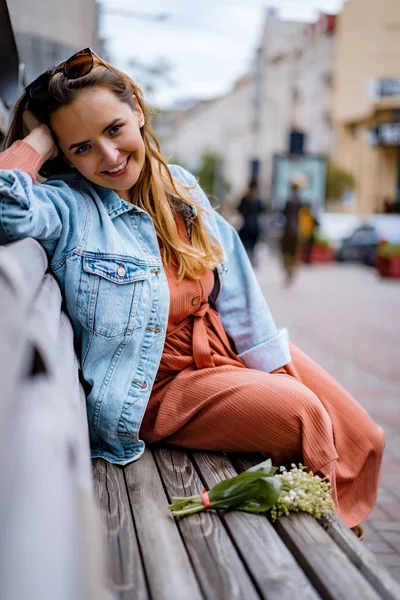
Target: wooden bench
[230,555]
[51,533]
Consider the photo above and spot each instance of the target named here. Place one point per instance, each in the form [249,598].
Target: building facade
[367,101]
[48,31]
[289,87]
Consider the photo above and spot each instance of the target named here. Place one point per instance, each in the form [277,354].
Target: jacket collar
[115,206]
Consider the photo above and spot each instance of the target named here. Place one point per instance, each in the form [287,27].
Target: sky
[209,43]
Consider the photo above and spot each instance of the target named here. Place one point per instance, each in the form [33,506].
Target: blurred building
[296,89]
[367,100]
[289,88]
[48,31]
[222,125]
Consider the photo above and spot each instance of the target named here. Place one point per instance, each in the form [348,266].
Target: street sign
[310,168]
[386,134]
[383,88]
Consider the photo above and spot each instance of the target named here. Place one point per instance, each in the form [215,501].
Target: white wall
[69,22]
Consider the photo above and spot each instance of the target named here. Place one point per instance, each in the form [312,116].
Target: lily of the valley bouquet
[261,489]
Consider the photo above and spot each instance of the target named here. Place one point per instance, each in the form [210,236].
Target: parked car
[360,246]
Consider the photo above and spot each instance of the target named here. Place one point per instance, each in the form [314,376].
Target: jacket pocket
[111,299]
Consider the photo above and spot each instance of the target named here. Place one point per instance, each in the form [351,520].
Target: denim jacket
[105,256]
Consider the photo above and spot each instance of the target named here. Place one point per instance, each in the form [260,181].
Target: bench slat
[276,573]
[318,555]
[168,569]
[219,568]
[125,567]
[362,558]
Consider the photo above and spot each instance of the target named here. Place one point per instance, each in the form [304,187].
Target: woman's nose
[109,155]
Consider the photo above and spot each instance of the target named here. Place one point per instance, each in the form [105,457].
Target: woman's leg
[242,410]
[304,416]
[358,441]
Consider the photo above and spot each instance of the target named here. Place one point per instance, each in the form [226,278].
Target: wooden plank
[169,573]
[88,514]
[364,560]
[22,268]
[49,546]
[273,568]
[20,280]
[125,568]
[218,566]
[40,543]
[325,564]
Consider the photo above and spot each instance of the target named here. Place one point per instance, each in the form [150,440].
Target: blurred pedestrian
[306,230]
[290,232]
[250,207]
[174,335]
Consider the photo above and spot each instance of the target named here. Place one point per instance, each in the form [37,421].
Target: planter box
[318,254]
[388,266]
[321,254]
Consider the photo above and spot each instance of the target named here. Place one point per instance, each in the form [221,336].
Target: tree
[338,181]
[151,76]
[211,175]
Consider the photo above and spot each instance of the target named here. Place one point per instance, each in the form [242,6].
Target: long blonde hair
[155,186]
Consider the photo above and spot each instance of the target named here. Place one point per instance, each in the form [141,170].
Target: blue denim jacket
[104,253]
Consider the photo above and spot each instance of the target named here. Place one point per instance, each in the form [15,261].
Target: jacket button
[195,301]
[121,271]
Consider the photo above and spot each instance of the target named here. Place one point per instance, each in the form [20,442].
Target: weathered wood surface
[215,559]
[362,558]
[273,568]
[50,544]
[228,555]
[125,566]
[169,573]
[327,564]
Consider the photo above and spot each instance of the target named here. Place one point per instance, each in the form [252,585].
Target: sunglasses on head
[76,66]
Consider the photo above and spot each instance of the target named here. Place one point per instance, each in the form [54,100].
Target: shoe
[358,530]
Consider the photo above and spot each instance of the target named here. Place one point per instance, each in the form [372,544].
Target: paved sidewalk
[348,319]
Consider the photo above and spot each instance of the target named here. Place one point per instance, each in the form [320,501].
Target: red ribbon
[205,498]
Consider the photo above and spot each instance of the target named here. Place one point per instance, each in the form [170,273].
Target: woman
[290,232]
[174,335]
[250,208]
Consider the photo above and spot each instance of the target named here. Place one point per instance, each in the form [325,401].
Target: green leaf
[266,466]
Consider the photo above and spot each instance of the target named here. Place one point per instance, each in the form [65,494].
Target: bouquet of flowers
[261,489]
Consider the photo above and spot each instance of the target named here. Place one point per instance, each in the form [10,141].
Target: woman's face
[100,136]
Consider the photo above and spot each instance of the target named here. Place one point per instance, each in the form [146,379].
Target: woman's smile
[120,170]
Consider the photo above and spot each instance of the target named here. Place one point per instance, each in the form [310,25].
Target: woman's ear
[141,119]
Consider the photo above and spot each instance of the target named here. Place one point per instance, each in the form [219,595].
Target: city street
[347,318]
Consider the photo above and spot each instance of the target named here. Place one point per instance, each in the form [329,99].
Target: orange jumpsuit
[205,398]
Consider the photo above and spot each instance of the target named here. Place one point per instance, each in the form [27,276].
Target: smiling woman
[108,151]
[175,339]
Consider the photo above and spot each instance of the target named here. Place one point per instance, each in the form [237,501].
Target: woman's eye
[115,129]
[82,149]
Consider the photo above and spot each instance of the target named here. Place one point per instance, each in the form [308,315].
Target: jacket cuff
[270,355]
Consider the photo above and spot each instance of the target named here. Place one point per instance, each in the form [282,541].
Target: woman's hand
[39,137]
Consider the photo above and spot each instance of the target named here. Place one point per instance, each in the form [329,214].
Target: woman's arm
[27,209]
[29,154]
